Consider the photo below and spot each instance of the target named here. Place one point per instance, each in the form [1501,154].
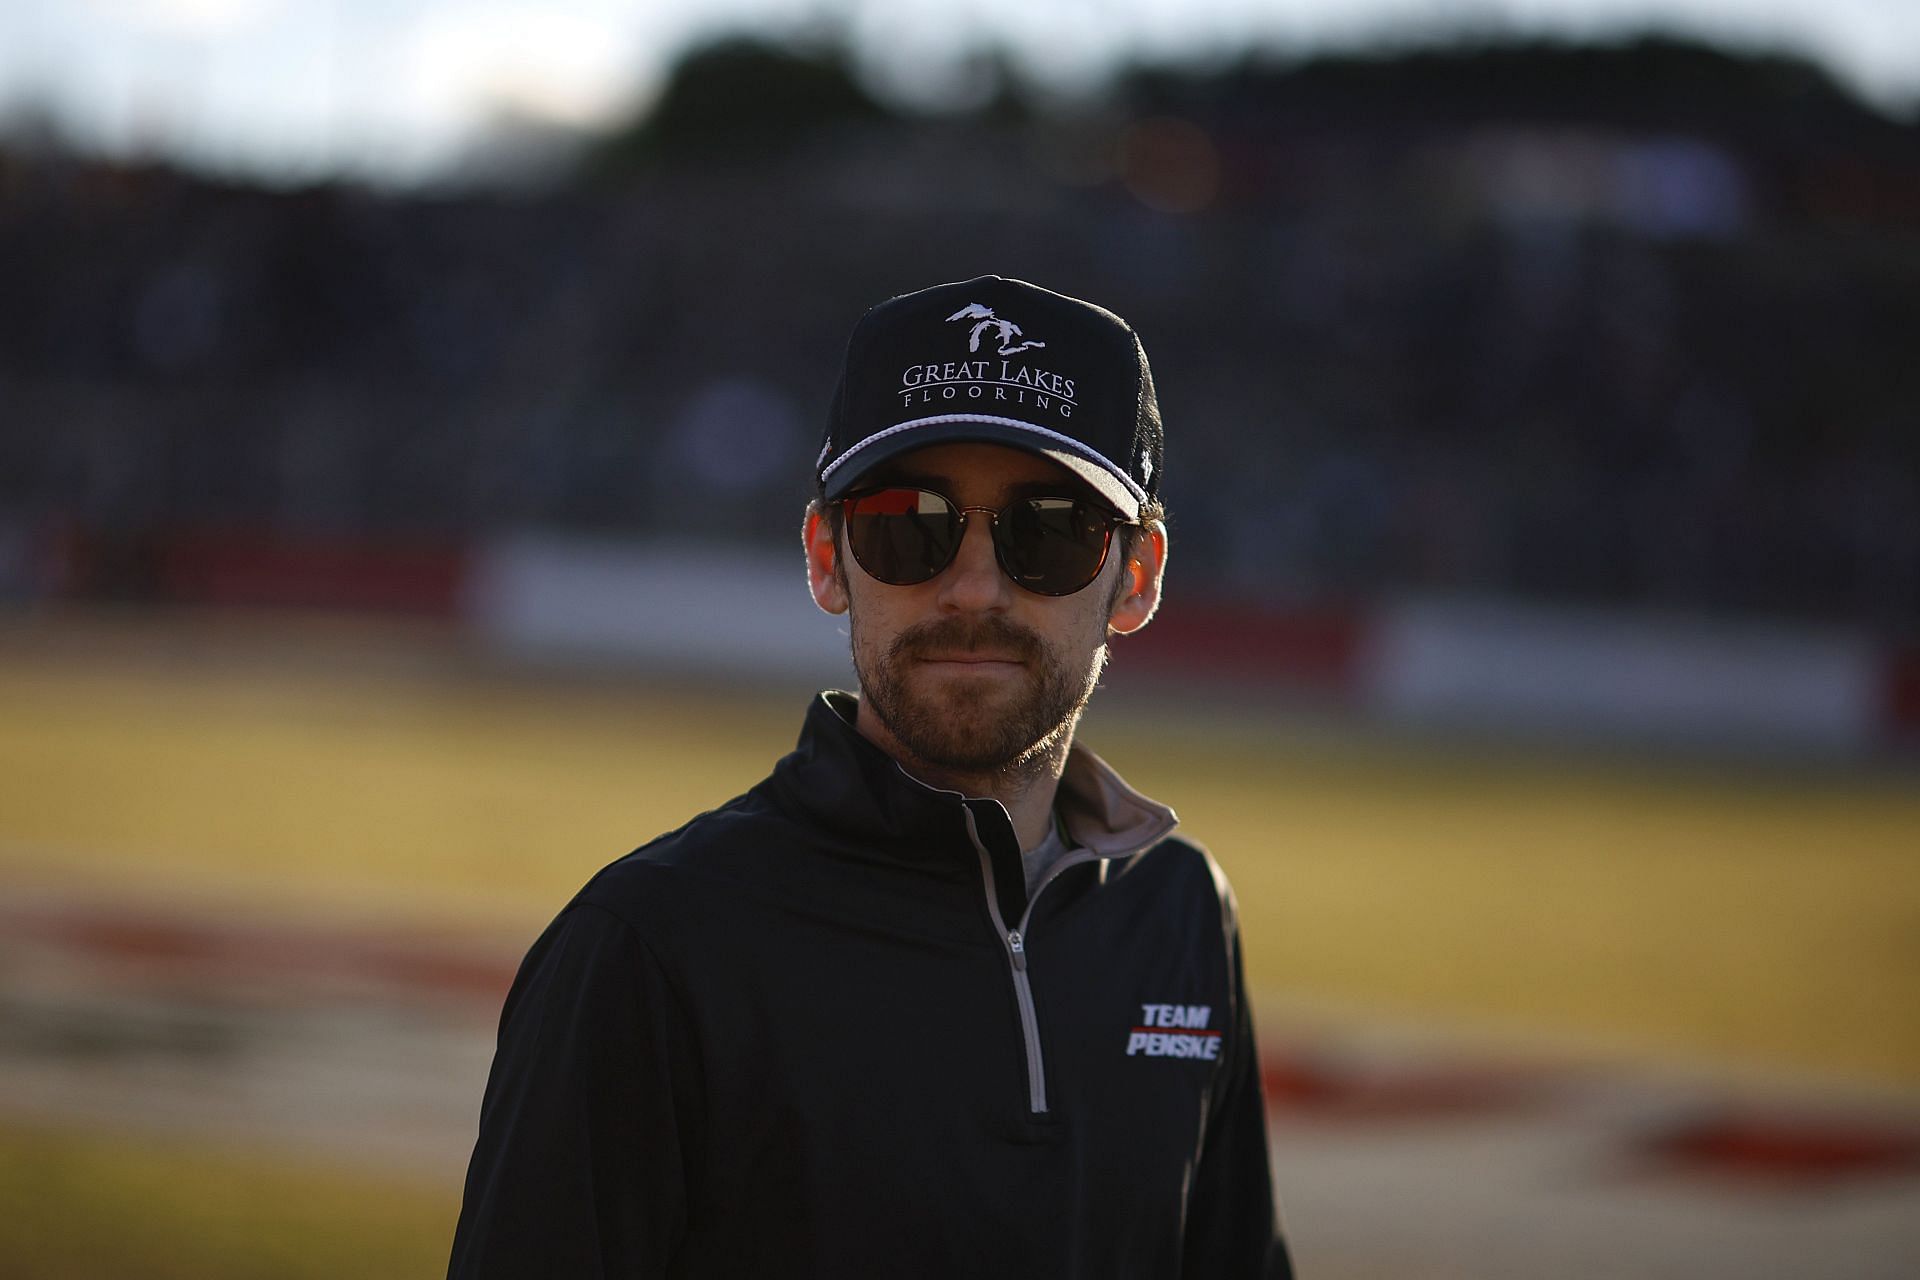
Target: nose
[973,583]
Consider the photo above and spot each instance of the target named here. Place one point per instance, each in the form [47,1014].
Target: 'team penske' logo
[985,320]
[1174,1031]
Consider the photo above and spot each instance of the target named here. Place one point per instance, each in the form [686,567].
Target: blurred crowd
[1587,364]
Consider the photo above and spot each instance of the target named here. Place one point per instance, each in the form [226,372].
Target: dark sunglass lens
[1054,546]
[902,536]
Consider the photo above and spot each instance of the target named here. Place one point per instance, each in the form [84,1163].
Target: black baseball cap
[1002,361]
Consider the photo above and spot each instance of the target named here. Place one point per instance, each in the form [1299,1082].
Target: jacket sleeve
[580,1165]
[1232,1227]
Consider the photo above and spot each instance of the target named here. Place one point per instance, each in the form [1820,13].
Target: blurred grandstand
[1627,325]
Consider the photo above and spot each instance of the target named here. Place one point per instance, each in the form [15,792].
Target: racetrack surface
[1561,972]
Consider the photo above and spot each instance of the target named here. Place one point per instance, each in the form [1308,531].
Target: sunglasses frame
[1114,521]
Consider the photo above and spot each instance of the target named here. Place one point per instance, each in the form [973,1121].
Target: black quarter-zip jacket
[821,1032]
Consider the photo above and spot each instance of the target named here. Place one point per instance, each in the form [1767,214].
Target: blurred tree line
[746,97]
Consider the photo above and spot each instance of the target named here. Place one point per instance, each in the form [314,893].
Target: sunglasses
[1050,546]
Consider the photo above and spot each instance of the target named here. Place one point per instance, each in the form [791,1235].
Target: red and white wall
[1495,666]
[700,607]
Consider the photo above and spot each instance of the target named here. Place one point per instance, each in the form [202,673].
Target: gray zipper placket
[1014,940]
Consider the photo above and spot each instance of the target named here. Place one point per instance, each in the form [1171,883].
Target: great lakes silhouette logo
[984,385]
[984,319]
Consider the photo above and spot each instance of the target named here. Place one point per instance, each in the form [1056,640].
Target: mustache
[968,635]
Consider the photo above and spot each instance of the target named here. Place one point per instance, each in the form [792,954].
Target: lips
[974,659]
[977,642]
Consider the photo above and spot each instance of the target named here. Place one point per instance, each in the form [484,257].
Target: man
[942,996]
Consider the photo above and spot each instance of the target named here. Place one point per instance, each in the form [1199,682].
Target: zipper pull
[1018,948]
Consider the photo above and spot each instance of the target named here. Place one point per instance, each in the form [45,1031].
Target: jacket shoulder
[1185,860]
[1184,870]
[727,844]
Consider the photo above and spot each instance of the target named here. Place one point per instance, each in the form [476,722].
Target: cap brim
[1098,473]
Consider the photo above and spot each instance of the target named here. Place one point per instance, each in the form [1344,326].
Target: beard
[976,727]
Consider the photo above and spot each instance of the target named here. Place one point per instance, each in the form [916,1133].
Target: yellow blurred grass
[88,1207]
[1760,920]
[1752,921]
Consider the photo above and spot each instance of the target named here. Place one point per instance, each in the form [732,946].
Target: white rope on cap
[1084,450]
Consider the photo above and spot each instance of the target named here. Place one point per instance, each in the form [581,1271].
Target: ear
[1139,595]
[823,555]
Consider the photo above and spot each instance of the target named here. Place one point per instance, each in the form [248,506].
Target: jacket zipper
[1016,965]
[1016,945]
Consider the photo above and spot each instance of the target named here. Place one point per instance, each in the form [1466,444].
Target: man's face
[968,672]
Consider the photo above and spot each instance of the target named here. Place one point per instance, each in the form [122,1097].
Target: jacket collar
[850,786]
[1102,813]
